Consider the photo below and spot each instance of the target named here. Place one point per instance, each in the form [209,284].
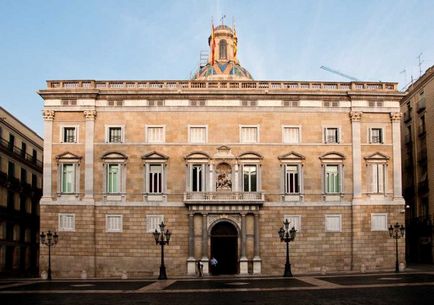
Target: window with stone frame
[69,134]
[331,135]
[114,223]
[115,134]
[376,135]
[333,223]
[376,165]
[155,134]
[249,134]
[197,134]
[153,222]
[66,222]
[332,176]
[223,45]
[155,173]
[291,134]
[197,172]
[250,165]
[379,222]
[68,181]
[114,173]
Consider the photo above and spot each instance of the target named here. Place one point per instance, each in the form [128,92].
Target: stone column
[48,116]
[396,144]
[256,252]
[191,262]
[205,244]
[89,154]
[357,155]
[243,259]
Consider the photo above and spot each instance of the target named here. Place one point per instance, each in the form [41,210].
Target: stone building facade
[418,164]
[20,191]
[222,159]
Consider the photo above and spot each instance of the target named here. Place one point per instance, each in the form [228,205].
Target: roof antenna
[223,17]
[420,63]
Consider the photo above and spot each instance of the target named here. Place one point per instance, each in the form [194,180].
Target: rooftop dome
[222,62]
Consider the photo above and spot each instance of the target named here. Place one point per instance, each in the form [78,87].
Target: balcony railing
[223,196]
[206,85]
[21,154]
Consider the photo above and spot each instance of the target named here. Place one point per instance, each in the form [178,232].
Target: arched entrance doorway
[224,247]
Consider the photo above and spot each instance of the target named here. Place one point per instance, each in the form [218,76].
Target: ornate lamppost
[50,240]
[162,238]
[287,235]
[397,231]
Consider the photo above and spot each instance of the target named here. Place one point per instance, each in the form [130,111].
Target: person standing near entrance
[200,268]
[213,263]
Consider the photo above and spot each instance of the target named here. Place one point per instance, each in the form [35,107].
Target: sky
[161,40]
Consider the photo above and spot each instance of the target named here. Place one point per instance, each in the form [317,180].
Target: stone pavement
[223,284]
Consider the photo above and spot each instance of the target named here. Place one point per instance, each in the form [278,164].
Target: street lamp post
[162,238]
[50,240]
[397,231]
[287,235]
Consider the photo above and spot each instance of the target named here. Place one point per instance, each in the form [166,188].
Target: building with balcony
[418,166]
[20,191]
[223,160]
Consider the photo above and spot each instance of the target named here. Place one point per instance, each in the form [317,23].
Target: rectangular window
[155,178]
[376,135]
[34,155]
[294,221]
[332,179]
[69,135]
[11,169]
[377,177]
[198,134]
[249,134]
[379,222]
[34,181]
[23,176]
[28,206]
[153,222]
[197,175]
[67,222]
[331,135]
[113,178]
[67,178]
[23,149]
[155,134]
[114,223]
[11,143]
[115,135]
[250,178]
[333,223]
[292,182]
[291,135]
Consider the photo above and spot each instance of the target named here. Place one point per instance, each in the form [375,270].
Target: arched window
[223,49]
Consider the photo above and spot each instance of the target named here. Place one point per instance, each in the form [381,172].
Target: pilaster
[395,117]
[89,153]
[48,116]
[357,155]
[243,258]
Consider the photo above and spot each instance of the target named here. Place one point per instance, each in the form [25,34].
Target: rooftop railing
[215,85]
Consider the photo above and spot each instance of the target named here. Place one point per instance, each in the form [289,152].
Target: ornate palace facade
[222,159]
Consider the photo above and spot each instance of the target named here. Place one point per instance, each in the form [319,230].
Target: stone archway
[224,247]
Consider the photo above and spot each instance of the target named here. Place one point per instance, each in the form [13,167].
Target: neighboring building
[222,160]
[418,166]
[20,191]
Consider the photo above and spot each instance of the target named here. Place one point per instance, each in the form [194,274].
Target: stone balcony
[223,197]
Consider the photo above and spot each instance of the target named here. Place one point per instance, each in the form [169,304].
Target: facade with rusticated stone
[222,159]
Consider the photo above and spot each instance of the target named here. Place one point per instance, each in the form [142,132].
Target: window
[422,126]
[197,134]
[155,134]
[113,178]
[294,221]
[114,223]
[223,49]
[153,222]
[155,178]
[333,223]
[249,134]
[376,135]
[197,177]
[23,176]
[3,230]
[16,233]
[292,179]
[291,135]
[115,134]
[69,134]
[28,206]
[23,149]
[11,170]
[68,178]
[379,222]
[34,155]
[331,135]
[332,179]
[11,143]
[377,177]
[250,178]
[67,222]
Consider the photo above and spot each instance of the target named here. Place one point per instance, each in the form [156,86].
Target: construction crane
[339,73]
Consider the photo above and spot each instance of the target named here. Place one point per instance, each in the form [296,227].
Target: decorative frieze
[355,116]
[89,114]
